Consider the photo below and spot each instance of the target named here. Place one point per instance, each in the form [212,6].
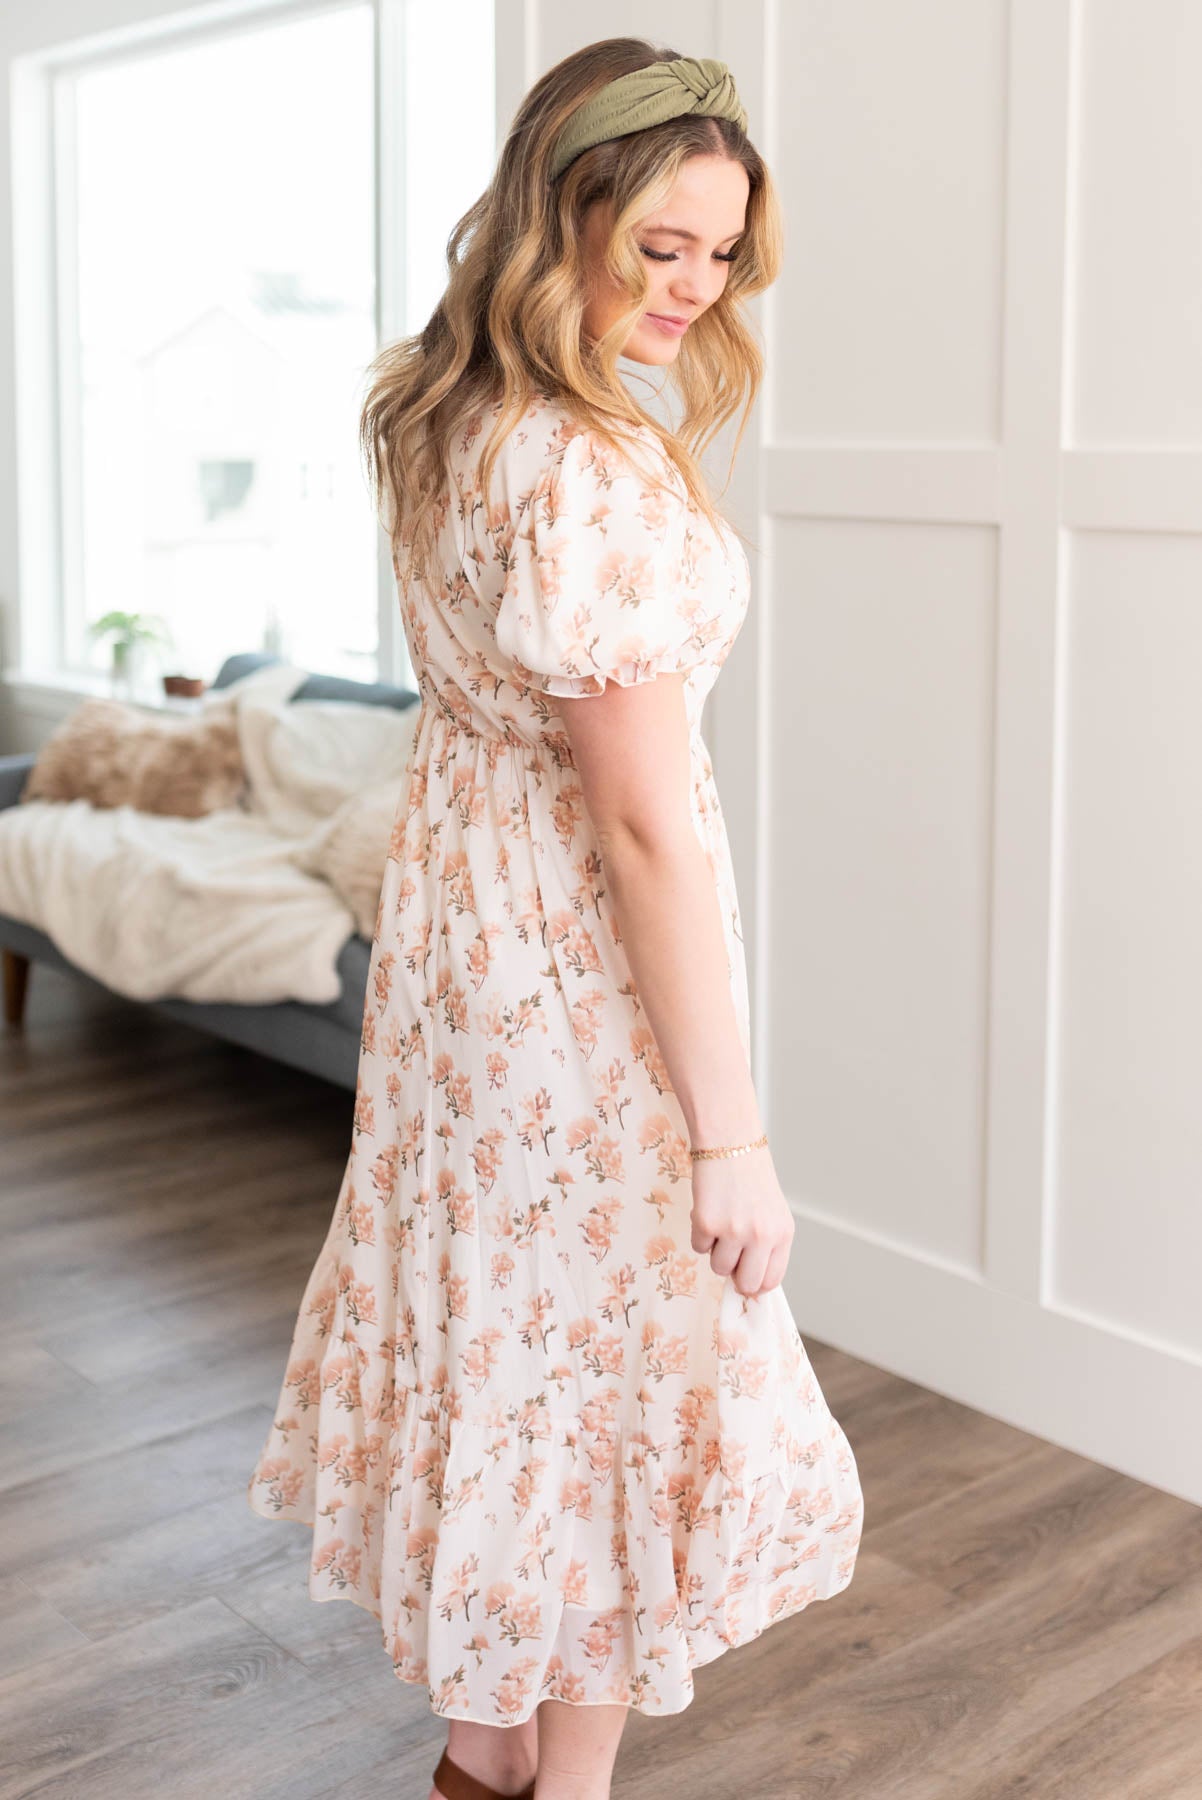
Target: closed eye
[670,255]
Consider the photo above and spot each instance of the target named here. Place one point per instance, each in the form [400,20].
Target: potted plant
[129,632]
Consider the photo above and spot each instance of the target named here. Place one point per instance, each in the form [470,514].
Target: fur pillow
[353,850]
[114,754]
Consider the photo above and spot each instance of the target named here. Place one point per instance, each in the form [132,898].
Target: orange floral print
[532,1431]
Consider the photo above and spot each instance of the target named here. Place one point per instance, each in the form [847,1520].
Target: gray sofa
[322,1039]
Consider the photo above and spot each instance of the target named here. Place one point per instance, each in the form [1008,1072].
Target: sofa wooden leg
[16,985]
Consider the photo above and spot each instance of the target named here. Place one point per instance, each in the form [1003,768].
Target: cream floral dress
[534,1433]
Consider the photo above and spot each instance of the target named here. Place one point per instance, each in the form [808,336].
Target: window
[225,265]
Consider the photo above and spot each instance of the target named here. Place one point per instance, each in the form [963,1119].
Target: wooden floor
[1021,1621]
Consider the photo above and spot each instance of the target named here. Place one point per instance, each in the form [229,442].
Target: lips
[664,322]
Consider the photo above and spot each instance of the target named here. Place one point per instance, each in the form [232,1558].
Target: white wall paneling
[979,474]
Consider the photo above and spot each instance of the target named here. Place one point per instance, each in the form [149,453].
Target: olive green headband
[649,96]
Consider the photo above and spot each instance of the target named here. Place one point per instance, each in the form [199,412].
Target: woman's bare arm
[631,749]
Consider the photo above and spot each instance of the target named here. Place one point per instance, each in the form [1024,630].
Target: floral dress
[534,1433]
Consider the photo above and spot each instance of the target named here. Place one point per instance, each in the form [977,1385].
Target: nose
[694,290]
[689,292]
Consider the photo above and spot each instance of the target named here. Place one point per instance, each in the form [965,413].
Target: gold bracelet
[731,1150]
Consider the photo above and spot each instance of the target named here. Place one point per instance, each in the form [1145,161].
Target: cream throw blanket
[235,905]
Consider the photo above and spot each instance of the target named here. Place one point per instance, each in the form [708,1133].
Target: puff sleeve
[605,578]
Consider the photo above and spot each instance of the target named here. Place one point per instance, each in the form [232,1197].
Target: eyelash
[670,255]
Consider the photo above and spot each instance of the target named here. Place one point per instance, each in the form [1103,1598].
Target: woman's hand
[741,1217]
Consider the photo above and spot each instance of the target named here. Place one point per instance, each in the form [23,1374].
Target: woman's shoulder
[548,425]
[534,442]
[550,459]
[630,459]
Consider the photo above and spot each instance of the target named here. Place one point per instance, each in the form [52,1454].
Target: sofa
[323,1039]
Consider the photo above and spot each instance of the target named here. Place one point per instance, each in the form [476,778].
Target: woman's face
[687,245]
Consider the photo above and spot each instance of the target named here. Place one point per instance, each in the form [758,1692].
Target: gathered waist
[432,710]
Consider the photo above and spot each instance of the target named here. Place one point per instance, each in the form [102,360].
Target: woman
[547,1408]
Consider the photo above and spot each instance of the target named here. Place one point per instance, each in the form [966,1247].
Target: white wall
[980,1004]
[959,741]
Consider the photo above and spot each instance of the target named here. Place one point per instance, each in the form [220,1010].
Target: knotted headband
[649,96]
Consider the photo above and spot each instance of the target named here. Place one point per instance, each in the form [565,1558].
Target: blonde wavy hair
[509,324]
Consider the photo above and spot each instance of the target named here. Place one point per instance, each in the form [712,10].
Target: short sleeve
[604,579]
